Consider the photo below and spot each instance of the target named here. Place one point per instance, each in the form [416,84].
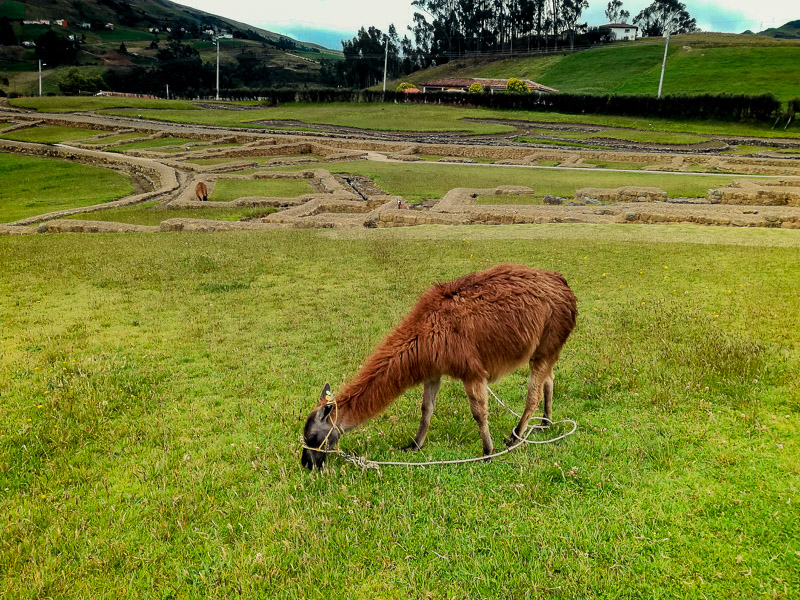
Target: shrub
[475,88]
[405,86]
[516,86]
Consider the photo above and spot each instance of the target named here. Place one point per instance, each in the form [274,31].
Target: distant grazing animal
[476,329]
[201,191]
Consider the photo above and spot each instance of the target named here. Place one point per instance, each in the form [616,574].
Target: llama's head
[320,432]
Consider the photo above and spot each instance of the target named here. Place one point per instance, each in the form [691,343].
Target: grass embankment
[63,104]
[696,64]
[153,144]
[154,389]
[34,186]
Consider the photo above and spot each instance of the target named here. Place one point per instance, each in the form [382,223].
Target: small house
[621,31]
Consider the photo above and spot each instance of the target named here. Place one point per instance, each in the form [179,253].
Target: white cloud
[347,16]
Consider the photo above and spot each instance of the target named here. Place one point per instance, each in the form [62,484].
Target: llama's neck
[389,371]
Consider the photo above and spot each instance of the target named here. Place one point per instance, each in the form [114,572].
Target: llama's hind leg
[540,374]
[548,403]
[429,391]
[479,405]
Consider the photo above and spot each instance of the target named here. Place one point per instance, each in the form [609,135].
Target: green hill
[285,62]
[789,31]
[703,63]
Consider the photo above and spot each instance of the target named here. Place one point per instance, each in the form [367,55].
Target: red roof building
[461,84]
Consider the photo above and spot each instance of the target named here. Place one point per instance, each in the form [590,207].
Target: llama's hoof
[511,440]
[412,447]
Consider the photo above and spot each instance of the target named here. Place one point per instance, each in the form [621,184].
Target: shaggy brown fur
[201,191]
[475,329]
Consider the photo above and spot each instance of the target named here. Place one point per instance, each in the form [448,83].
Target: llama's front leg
[429,391]
[479,405]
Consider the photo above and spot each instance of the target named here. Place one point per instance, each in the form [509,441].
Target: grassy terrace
[53,134]
[33,186]
[226,190]
[416,181]
[151,213]
[153,389]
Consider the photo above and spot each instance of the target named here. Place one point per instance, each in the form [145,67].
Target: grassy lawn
[59,104]
[416,181]
[154,388]
[50,134]
[121,137]
[226,190]
[151,213]
[33,186]
[443,118]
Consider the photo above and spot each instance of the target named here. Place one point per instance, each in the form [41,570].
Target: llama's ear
[326,395]
[325,411]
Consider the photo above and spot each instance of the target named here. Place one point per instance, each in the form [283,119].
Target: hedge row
[719,107]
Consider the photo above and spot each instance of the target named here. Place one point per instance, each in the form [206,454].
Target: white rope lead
[366,463]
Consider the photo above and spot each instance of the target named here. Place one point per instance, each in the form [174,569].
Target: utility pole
[217,68]
[663,65]
[385,62]
[167,91]
[40,76]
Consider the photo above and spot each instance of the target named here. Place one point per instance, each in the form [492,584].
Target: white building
[622,31]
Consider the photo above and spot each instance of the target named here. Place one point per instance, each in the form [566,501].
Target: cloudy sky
[328,21]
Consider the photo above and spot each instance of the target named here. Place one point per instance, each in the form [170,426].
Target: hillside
[697,64]
[145,27]
[789,31]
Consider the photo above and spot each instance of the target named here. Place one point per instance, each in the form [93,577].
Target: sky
[327,22]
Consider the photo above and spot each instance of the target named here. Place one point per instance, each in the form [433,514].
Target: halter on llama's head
[321,434]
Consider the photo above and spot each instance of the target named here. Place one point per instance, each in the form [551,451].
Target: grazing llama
[201,191]
[476,329]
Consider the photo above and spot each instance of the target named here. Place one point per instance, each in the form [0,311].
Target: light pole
[217,67]
[40,76]
[385,62]
[663,65]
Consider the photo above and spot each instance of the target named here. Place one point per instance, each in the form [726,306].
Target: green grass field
[154,144]
[53,134]
[154,389]
[226,190]
[417,181]
[152,213]
[34,186]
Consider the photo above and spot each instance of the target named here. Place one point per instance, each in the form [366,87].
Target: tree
[75,82]
[571,11]
[663,17]
[56,50]
[122,48]
[7,35]
[364,57]
[615,13]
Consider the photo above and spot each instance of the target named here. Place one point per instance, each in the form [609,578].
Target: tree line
[444,30]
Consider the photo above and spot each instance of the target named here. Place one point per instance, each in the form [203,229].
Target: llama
[201,191]
[476,329]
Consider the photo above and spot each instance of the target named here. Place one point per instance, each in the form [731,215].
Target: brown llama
[201,191]
[476,329]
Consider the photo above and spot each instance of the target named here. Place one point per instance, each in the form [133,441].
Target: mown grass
[60,104]
[417,181]
[33,186]
[154,389]
[152,213]
[53,134]
[226,190]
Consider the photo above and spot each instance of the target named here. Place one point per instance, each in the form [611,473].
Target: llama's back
[490,323]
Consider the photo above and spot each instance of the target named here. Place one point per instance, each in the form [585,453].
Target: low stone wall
[626,193]
[758,193]
[81,226]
